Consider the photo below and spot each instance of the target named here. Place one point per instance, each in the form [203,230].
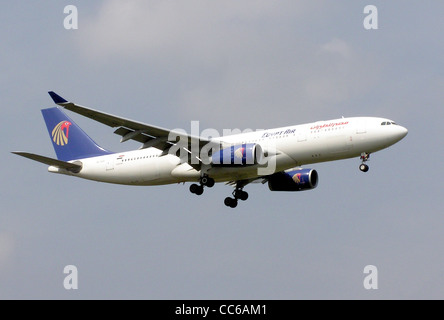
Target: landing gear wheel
[363,167]
[230,202]
[240,194]
[207,181]
[200,190]
[210,183]
[193,188]
[196,189]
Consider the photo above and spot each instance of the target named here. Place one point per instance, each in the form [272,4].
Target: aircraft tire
[230,202]
[243,196]
[194,188]
[210,182]
[199,190]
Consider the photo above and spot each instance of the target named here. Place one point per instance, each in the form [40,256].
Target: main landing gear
[364,157]
[205,181]
[238,193]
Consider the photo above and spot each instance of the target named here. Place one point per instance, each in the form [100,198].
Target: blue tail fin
[69,141]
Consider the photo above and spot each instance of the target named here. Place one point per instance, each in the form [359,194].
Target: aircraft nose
[402,132]
[399,133]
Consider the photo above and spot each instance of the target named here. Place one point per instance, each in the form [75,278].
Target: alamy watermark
[71,281]
[371,280]
[371,20]
[71,21]
[208,147]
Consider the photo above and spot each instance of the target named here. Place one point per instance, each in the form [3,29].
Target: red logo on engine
[297,178]
[239,153]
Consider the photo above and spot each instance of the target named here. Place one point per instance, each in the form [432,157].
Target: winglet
[57,99]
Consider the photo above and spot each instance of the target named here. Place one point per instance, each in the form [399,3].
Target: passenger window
[383,124]
[388,123]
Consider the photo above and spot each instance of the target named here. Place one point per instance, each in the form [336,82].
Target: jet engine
[238,155]
[293,180]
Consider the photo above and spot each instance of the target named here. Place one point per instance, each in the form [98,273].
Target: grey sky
[228,64]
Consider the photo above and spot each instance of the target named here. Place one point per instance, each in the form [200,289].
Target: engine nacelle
[293,180]
[238,155]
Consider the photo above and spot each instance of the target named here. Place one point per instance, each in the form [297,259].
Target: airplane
[273,156]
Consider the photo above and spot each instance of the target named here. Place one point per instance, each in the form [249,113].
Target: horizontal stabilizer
[73,167]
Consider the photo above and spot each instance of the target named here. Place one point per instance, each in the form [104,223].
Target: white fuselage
[286,148]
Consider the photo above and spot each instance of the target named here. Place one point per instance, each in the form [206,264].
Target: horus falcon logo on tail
[59,136]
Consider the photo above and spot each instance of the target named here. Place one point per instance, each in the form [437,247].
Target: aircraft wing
[74,167]
[148,135]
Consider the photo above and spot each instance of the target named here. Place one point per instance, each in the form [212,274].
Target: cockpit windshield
[388,123]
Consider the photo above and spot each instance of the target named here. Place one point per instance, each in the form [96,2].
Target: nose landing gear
[364,157]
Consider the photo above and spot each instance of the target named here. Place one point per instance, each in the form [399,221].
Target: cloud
[240,57]
[339,73]
[337,46]
[153,29]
